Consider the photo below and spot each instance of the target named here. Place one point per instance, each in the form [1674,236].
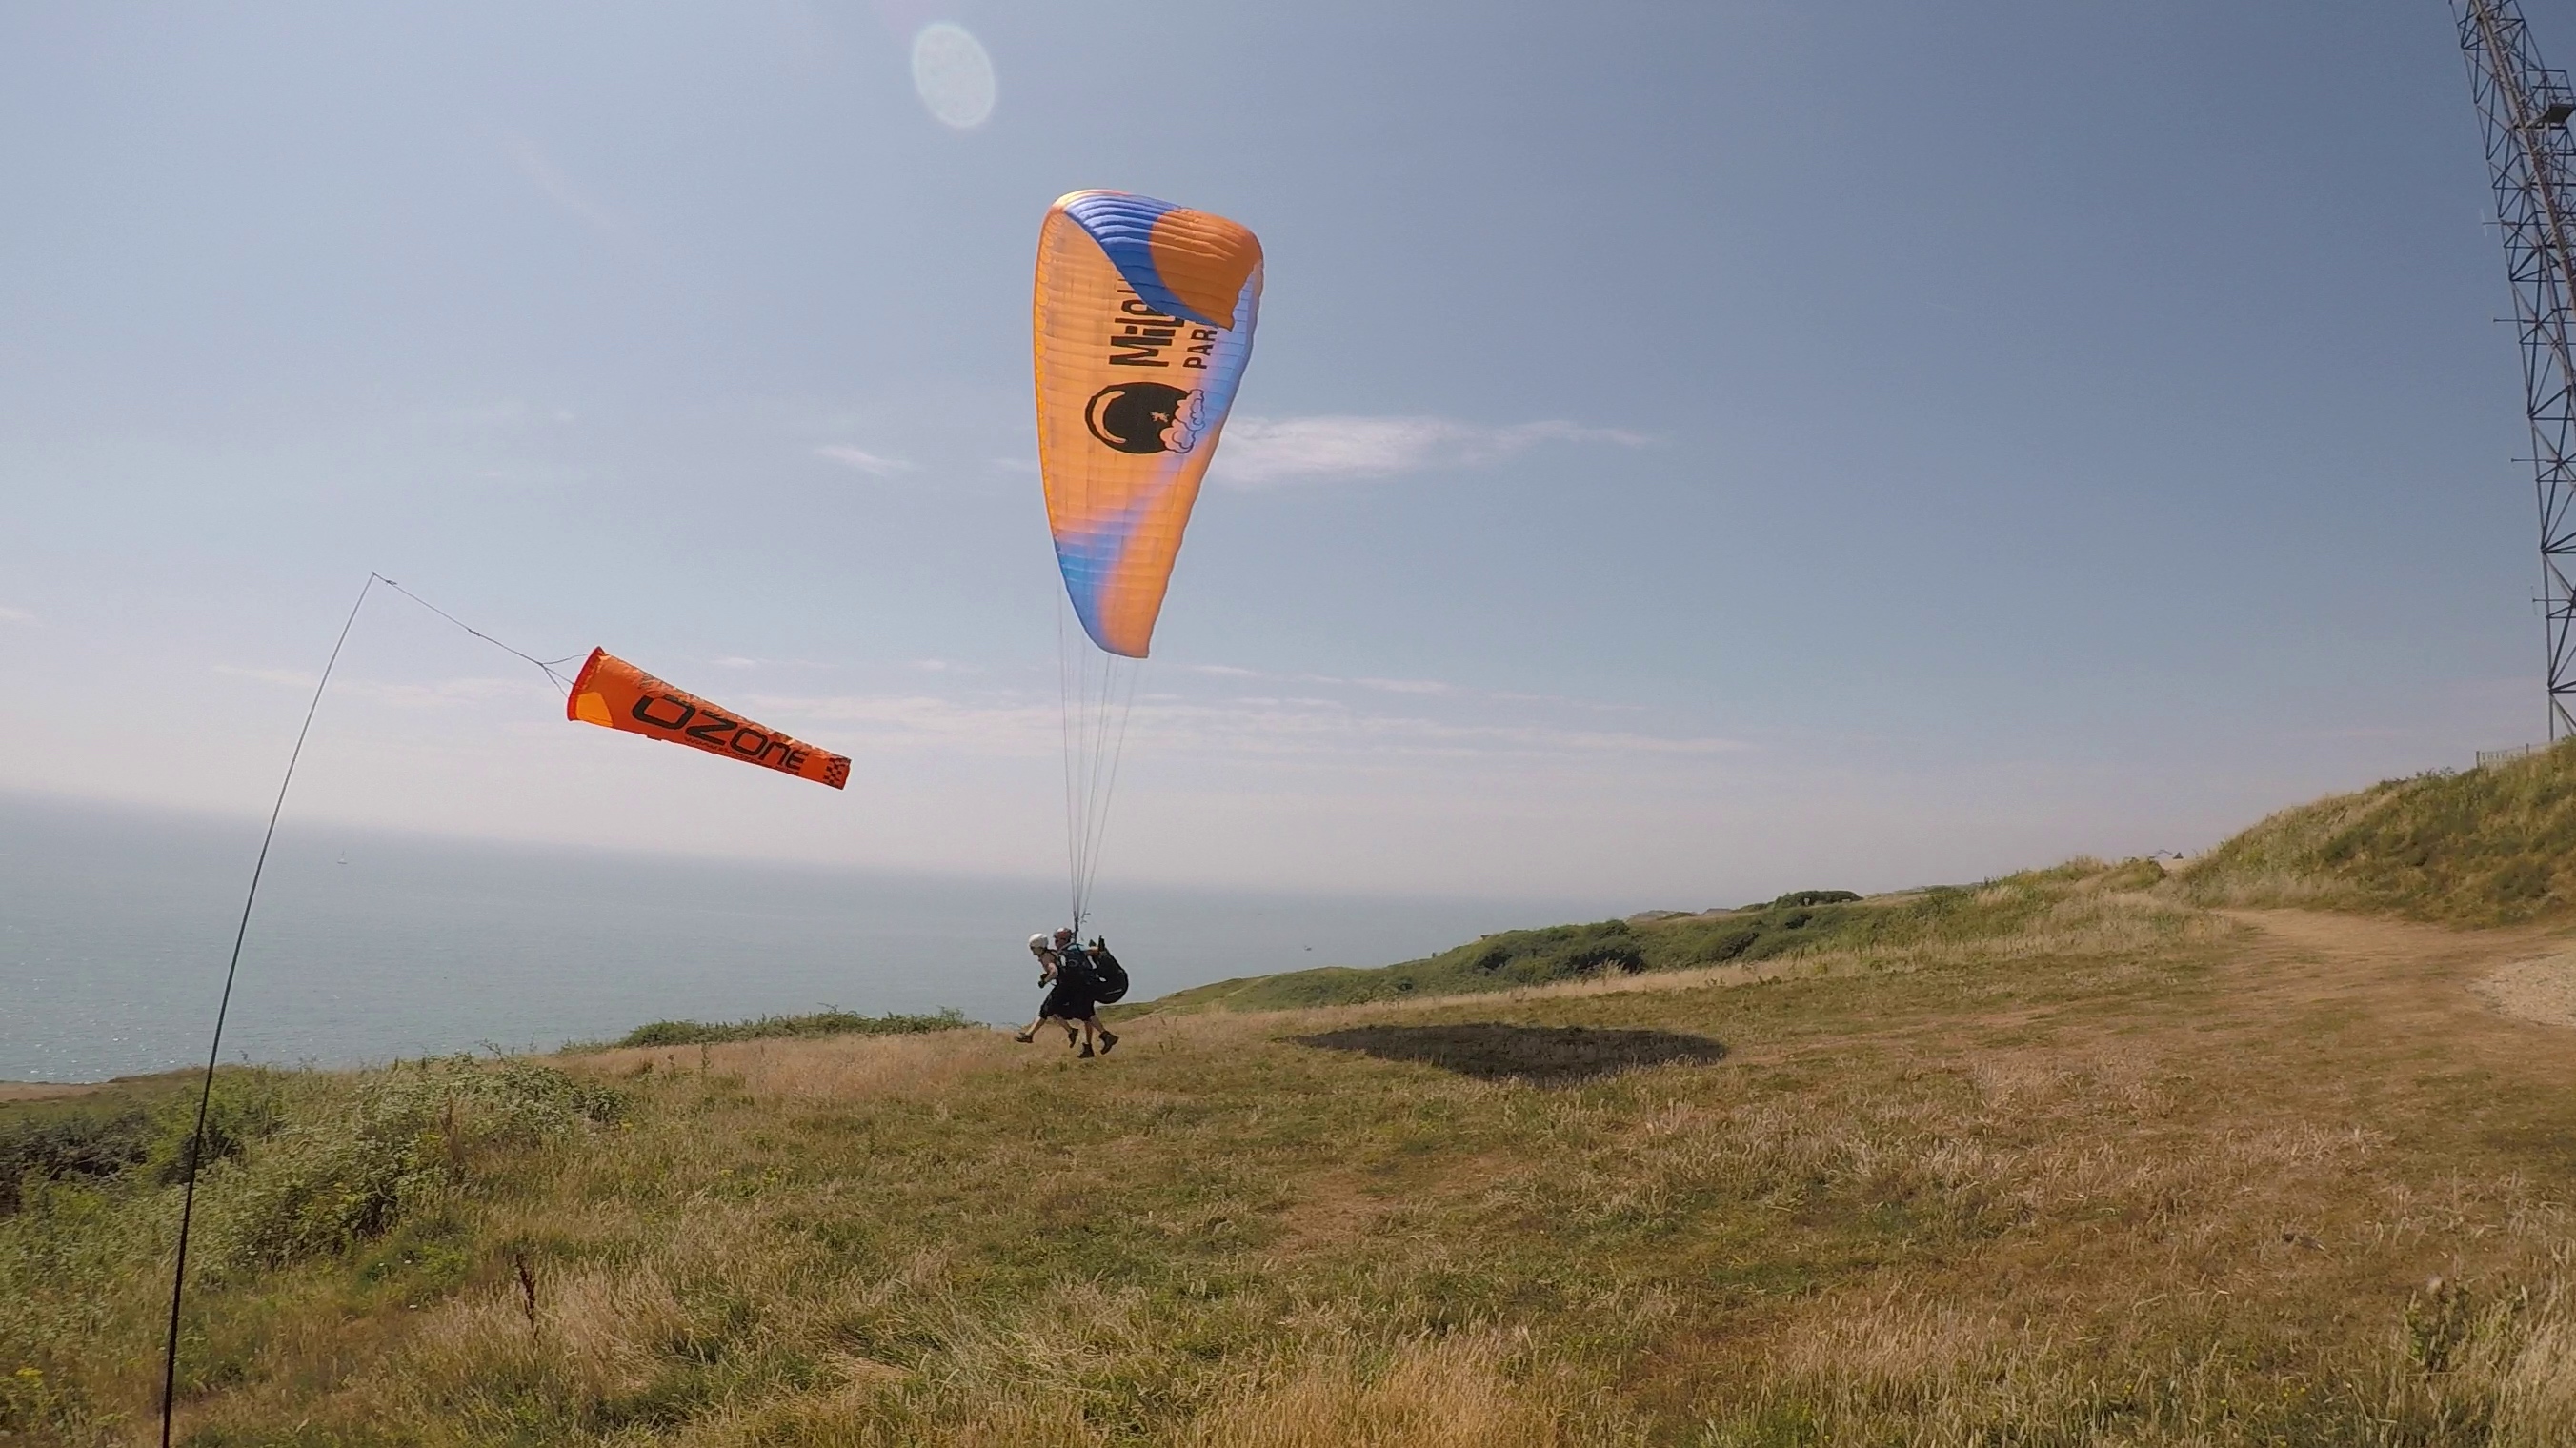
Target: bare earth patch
[2541,989]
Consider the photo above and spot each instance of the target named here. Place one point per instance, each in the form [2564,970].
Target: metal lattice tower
[2525,107]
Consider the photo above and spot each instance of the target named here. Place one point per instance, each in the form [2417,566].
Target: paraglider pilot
[1075,997]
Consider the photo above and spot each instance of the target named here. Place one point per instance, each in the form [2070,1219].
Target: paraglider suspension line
[1118,704]
[1099,698]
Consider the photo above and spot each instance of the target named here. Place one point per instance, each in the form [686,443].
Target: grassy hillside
[1802,923]
[2103,1169]
[2489,846]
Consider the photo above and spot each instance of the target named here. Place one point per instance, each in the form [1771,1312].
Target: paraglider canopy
[1142,323]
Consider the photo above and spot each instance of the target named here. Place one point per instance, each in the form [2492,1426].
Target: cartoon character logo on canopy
[1146,417]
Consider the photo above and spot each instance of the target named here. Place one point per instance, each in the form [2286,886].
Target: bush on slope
[2492,846]
[1801,923]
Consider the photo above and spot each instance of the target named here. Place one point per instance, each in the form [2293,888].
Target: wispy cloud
[860,458]
[1255,726]
[1406,686]
[447,693]
[284,678]
[1422,687]
[1266,451]
[16,615]
[555,186]
[440,693]
[745,661]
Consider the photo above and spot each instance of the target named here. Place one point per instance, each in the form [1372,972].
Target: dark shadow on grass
[1540,1055]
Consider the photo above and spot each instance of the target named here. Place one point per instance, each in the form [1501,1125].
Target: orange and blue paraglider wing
[617,695]
[1143,321]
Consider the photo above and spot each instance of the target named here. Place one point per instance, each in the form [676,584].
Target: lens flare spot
[953,75]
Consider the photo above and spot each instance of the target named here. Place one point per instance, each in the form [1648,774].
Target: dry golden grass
[1465,1390]
[838,1068]
[2142,1175]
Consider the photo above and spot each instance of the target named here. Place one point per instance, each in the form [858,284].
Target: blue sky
[1691,451]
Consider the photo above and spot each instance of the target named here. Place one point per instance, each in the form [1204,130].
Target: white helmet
[1038,942]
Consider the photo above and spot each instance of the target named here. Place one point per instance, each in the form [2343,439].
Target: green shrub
[1601,956]
[244,1106]
[1716,949]
[69,1146]
[124,1126]
[350,1169]
[829,1021]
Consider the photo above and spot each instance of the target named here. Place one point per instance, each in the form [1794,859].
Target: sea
[367,946]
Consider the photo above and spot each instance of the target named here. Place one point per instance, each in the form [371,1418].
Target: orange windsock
[615,694]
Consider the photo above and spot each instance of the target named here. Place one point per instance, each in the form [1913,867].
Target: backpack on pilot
[1106,969]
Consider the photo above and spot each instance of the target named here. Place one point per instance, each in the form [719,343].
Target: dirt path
[2511,991]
